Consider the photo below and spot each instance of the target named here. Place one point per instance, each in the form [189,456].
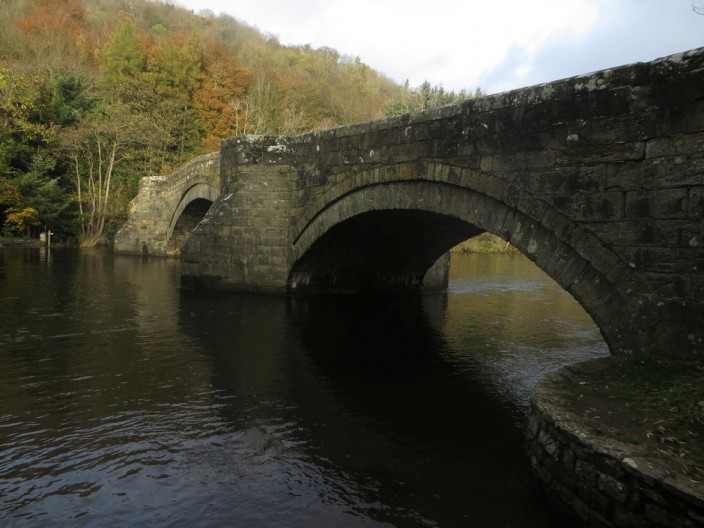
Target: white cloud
[469,43]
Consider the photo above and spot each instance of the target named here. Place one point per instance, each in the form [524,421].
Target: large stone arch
[587,269]
[597,178]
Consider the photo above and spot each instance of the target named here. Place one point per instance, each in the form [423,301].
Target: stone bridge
[167,208]
[599,179]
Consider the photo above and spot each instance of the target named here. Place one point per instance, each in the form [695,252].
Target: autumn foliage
[95,94]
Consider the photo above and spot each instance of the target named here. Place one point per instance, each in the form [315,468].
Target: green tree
[122,57]
[106,140]
[66,99]
[45,195]
[20,132]
[174,65]
[178,127]
[425,96]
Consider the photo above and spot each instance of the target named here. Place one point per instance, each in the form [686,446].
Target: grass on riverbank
[18,242]
[655,403]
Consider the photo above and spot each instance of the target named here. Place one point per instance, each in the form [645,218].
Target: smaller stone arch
[162,200]
[190,210]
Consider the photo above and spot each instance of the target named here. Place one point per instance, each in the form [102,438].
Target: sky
[495,45]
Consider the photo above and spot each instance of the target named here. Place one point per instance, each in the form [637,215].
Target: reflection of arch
[446,214]
[196,201]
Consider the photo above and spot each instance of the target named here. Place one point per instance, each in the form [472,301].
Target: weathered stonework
[599,179]
[155,212]
[609,484]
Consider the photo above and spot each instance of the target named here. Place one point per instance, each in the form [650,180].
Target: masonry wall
[599,179]
[608,483]
[160,201]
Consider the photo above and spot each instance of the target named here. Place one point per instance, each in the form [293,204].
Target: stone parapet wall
[608,483]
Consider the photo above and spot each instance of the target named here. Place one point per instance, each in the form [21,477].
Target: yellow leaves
[19,96]
[19,219]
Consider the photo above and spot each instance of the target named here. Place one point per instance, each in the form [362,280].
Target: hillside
[95,94]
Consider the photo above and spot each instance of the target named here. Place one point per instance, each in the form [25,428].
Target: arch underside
[191,209]
[387,250]
[194,212]
[385,237]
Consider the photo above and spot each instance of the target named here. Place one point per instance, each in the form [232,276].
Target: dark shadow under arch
[384,237]
[193,213]
[378,251]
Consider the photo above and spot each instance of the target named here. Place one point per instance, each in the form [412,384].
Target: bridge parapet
[599,179]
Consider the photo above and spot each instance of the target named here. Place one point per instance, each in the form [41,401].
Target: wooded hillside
[95,94]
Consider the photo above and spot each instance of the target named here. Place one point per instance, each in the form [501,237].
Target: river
[126,401]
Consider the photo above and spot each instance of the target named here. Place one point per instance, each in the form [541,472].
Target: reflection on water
[516,322]
[127,402]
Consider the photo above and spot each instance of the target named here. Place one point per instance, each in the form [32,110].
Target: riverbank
[621,442]
[15,242]
[19,242]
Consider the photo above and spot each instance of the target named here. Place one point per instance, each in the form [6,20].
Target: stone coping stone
[562,444]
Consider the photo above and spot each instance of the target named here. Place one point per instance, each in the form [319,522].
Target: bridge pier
[243,243]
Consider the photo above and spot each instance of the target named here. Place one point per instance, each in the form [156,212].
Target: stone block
[530,160]
[695,210]
[672,172]
[597,206]
[549,444]
[613,487]
[665,203]
[584,179]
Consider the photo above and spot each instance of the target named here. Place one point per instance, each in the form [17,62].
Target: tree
[56,33]
[44,195]
[20,220]
[107,138]
[66,99]
[425,96]
[178,127]
[174,65]
[220,97]
[20,132]
[9,199]
[123,58]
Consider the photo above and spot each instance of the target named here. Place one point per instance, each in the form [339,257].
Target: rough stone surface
[608,483]
[159,218]
[599,179]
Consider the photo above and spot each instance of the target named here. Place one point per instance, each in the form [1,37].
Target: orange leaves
[51,25]
[65,16]
[220,97]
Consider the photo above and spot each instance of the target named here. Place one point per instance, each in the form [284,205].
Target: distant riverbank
[19,242]
[485,243]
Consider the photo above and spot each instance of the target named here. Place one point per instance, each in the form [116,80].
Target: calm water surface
[125,401]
